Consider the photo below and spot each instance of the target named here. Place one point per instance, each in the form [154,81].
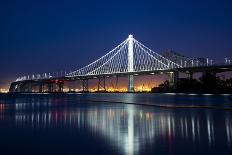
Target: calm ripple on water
[107,124]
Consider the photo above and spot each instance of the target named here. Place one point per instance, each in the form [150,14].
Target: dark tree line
[208,83]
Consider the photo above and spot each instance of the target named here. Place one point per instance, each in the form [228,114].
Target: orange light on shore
[142,88]
[139,88]
[3,90]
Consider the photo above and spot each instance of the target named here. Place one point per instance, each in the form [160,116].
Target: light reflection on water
[131,129]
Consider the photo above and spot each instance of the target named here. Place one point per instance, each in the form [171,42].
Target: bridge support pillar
[61,87]
[130,83]
[116,83]
[204,73]
[85,85]
[50,87]
[130,66]
[101,84]
[40,87]
[22,87]
[173,79]
[190,75]
[29,87]
[18,88]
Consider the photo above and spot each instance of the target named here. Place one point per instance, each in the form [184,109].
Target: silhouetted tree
[208,83]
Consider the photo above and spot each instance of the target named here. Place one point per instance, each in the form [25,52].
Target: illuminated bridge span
[127,59]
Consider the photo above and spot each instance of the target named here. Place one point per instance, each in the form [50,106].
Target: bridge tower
[130,66]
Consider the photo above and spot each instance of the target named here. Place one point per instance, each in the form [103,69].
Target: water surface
[77,124]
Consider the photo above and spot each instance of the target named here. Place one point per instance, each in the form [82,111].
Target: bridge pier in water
[173,78]
[189,75]
[130,83]
[101,84]
[85,85]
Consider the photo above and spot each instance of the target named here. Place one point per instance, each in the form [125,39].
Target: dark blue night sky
[40,36]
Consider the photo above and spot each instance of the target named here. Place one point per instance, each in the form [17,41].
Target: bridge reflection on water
[131,129]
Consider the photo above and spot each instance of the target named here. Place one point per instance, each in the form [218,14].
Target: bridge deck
[216,69]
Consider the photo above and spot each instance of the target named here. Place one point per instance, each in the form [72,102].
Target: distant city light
[2,90]
[139,88]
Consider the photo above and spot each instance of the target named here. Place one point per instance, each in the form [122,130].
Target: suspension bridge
[129,58]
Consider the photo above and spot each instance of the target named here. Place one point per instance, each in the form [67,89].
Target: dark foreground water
[94,124]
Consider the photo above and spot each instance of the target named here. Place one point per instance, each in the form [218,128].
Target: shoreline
[67,93]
